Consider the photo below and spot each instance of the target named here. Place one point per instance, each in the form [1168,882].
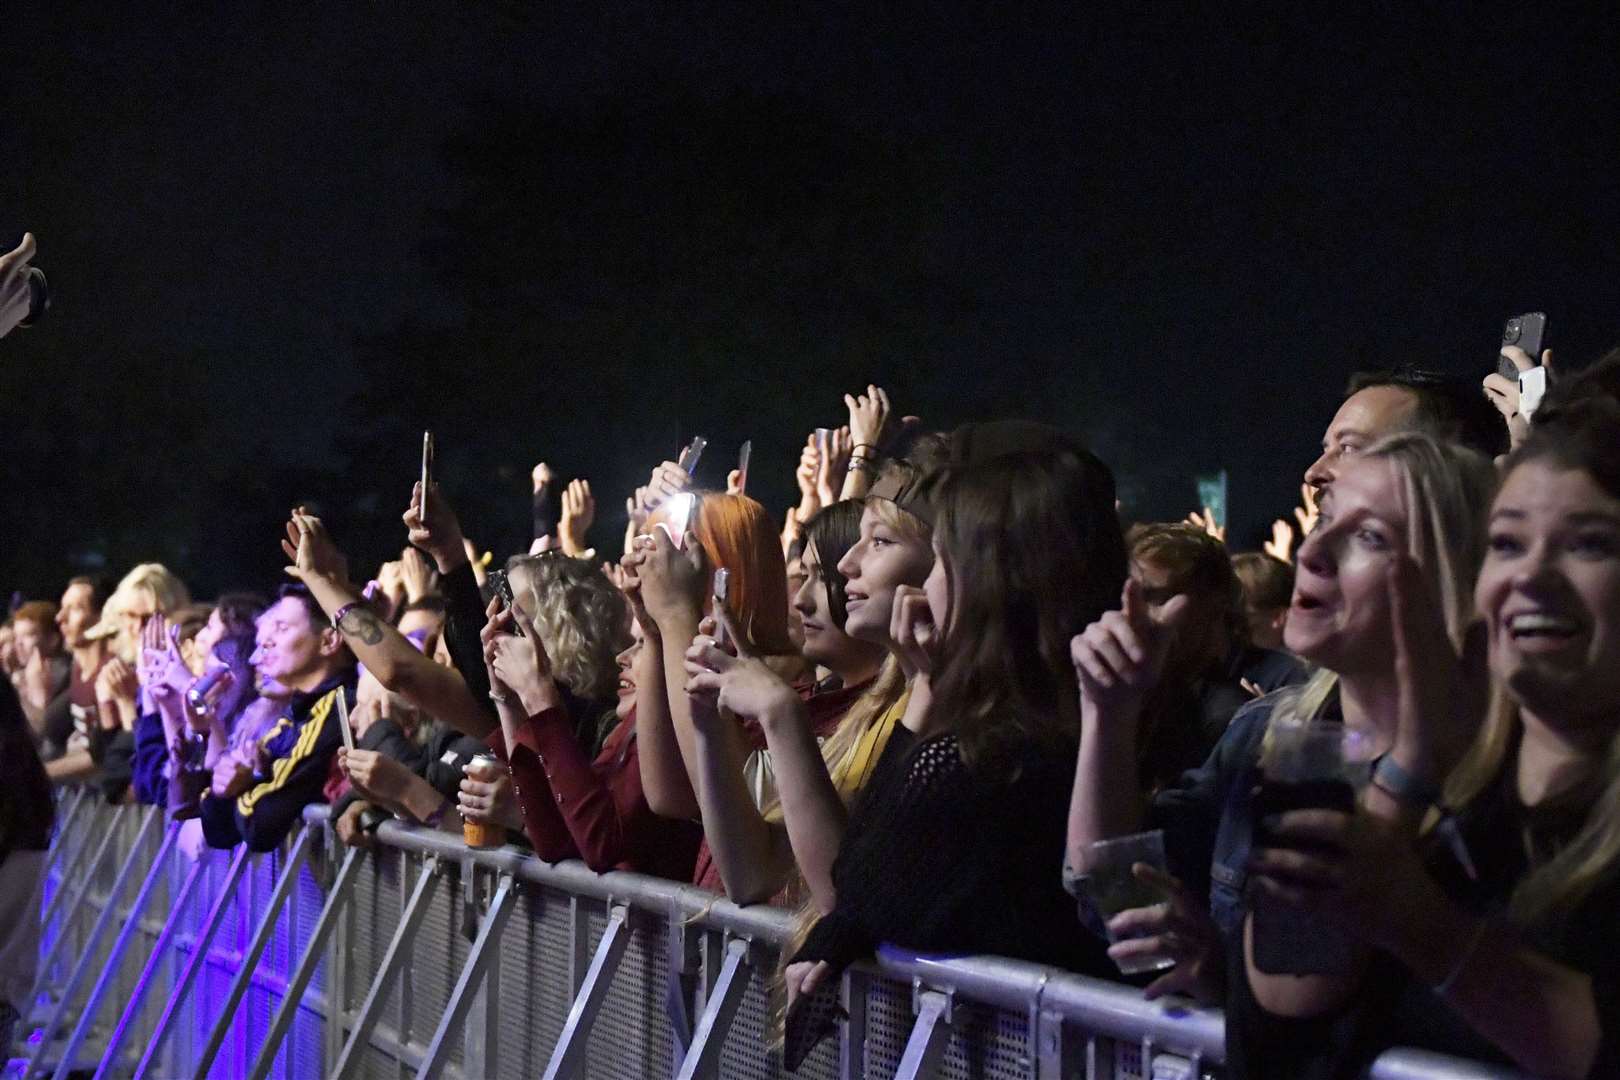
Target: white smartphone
[680,517]
[343,720]
[721,590]
[427,470]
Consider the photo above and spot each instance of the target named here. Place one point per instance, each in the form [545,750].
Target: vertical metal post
[349,1058]
[132,921]
[64,827]
[250,959]
[87,954]
[199,958]
[709,1038]
[680,985]
[1056,1056]
[852,1047]
[480,1035]
[568,1056]
[107,838]
[472,973]
[159,952]
[336,901]
[926,1047]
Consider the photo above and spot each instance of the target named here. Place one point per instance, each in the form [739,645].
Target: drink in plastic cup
[479,834]
[1113,888]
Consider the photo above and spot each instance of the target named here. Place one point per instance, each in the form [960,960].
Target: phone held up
[500,583]
[427,470]
[1528,332]
[722,591]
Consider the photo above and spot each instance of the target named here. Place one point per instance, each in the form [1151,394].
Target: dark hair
[1447,407]
[235,651]
[300,592]
[1268,582]
[27,810]
[1599,380]
[1584,435]
[1033,553]
[1198,563]
[190,619]
[238,611]
[99,589]
[833,531]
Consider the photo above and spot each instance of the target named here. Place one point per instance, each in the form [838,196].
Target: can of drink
[479,834]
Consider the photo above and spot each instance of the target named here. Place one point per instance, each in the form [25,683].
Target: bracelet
[1402,786]
[499,699]
[1449,983]
[343,613]
[858,447]
[862,464]
[433,819]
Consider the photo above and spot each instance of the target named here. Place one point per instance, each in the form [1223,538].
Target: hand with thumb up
[1121,656]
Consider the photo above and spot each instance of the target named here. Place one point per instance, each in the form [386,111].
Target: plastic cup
[1113,888]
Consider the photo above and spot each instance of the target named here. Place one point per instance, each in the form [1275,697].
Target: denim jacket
[1207,818]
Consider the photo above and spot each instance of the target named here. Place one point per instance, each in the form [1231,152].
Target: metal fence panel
[983,1005]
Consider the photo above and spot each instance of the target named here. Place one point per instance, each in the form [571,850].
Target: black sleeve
[1190,811]
[389,739]
[464,620]
[547,502]
[117,766]
[444,769]
[267,812]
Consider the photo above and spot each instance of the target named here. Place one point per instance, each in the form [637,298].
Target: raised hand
[14,288]
[418,576]
[670,580]
[1442,693]
[737,682]
[440,534]
[666,480]
[805,477]
[911,625]
[517,662]
[1121,656]
[1281,544]
[868,417]
[311,550]
[161,670]
[540,475]
[831,467]
[1306,512]
[1206,521]
[578,514]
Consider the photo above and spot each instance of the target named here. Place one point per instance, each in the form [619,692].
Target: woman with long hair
[1496,934]
[943,849]
[1408,501]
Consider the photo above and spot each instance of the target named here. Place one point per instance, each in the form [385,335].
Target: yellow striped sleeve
[282,768]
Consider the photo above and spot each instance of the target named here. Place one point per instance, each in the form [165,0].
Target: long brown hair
[1033,553]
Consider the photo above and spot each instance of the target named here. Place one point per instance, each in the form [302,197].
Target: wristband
[1402,786]
[858,447]
[343,613]
[432,820]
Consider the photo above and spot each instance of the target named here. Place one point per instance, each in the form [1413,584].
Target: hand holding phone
[1527,332]
[343,720]
[689,457]
[427,470]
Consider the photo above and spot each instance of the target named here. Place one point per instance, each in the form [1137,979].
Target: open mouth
[1308,603]
[1541,626]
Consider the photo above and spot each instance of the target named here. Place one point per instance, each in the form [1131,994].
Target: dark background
[284,240]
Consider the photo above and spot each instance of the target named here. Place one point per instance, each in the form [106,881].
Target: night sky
[283,241]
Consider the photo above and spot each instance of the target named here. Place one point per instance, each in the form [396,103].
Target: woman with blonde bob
[1499,939]
[149,589]
[1407,511]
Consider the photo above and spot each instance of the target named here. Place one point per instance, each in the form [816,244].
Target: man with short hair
[1379,403]
[42,667]
[74,710]
[259,804]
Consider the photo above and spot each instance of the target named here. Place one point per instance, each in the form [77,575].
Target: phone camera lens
[1512,332]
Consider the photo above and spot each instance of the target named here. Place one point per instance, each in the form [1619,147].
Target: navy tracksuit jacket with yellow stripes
[295,758]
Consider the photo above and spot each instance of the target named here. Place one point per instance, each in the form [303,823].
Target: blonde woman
[1406,500]
[1502,943]
[149,589]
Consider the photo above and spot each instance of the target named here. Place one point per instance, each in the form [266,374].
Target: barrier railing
[427,958]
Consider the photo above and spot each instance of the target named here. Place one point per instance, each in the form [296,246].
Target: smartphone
[721,590]
[501,582]
[680,517]
[689,457]
[1527,332]
[1288,941]
[823,440]
[427,470]
[343,719]
[743,455]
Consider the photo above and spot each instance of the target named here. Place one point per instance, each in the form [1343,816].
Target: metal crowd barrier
[425,958]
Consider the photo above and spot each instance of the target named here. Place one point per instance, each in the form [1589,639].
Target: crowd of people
[1378,761]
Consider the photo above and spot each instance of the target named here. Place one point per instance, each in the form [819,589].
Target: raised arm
[385,652]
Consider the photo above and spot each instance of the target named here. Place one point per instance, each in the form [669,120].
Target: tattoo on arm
[362,624]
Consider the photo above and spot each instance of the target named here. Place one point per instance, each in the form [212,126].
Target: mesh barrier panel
[532,993]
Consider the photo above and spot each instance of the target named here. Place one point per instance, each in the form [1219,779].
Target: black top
[937,858]
[1505,841]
